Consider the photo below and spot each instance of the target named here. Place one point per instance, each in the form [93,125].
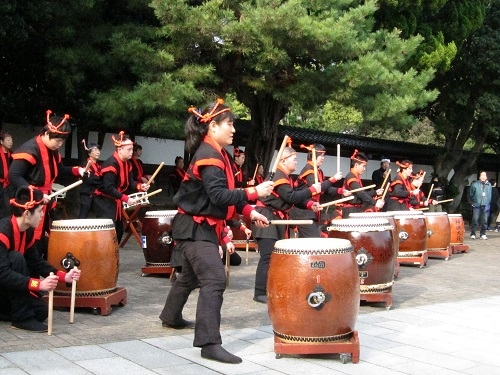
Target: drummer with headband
[91,178]
[19,260]
[364,200]
[277,206]
[116,180]
[402,194]
[306,179]
[38,163]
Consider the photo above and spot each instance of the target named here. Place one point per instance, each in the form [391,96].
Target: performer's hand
[379,192]
[337,176]
[221,252]
[434,202]
[72,275]
[379,203]
[426,203]
[131,201]
[316,207]
[145,187]
[49,283]
[230,247]
[230,234]
[81,171]
[317,187]
[346,193]
[251,183]
[46,199]
[415,192]
[259,219]
[265,188]
[248,233]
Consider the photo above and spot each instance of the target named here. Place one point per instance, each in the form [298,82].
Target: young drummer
[19,260]
[206,199]
[400,190]
[91,179]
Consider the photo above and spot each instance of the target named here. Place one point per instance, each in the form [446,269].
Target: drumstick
[290,222]
[246,250]
[73,300]
[65,189]
[89,163]
[315,165]
[338,158]
[51,310]
[278,157]
[385,178]
[149,195]
[336,201]
[255,172]
[430,191]
[228,265]
[362,188]
[421,209]
[385,191]
[154,174]
[444,201]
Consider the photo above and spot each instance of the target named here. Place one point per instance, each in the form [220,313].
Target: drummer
[206,199]
[19,259]
[91,178]
[307,179]
[5,160]
[277,206]
[37,162]
[116,180]
[420,200]
[402,194]
[364,200]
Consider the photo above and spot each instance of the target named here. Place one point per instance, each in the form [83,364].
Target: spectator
[480,198]
[493,206]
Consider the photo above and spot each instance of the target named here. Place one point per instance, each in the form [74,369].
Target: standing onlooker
[480,198]
[5,160]
[437,193]
[493,206]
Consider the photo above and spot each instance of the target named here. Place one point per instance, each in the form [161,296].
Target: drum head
[82,225]
[371,215]
[313,246]
[435,214]
[454,215]
[360,225]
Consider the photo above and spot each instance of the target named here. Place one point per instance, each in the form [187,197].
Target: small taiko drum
[320,303]
[157,241]
[239,236]
[90,244]
[412,231]
[457,229]
[374,249]
[438,231]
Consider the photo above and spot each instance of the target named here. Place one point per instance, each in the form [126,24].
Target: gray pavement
[444,320]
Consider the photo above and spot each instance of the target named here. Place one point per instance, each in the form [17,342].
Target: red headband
[55,128]
[403,166]
[207,117]
[353,157]
[28,205]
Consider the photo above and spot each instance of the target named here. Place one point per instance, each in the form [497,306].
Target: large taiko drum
[457,229]
[412,232]
[90,244]
[374,248]
[438,231]
[389,216]
[320,303]
[157,241]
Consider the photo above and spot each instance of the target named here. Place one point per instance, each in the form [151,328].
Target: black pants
[19,305]
[266,246]
[201,264]
[106,208]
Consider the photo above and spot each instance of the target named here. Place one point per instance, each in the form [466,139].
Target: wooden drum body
[412,232]
[457,234]
[375,254]
[157,241]
[438,234]
[90,244]
[320,303]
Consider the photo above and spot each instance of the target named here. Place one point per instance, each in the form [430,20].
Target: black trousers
[266,246]
[106,208]
[201,264]
[20,305]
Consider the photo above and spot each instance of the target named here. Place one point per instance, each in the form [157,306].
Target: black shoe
[183,324]
[260,298]
[30,324]
[218,353]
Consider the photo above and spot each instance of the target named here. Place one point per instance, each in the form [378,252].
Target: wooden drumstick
[362,188]
[51,310]
[154,174]
[385,178]
[338,158]
[430,192]
[73,300]
[65,189]
[446,200]
[255,172]
[149,195]
[421,209]
[385,191]
[246,250]
[278,157]
[290,222]
[315,165]
[337,201]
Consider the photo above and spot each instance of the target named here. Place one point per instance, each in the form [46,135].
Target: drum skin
[412,231]
[438,230]
[457,229]
[93,243]
[372,240]
[157,237]
[313,289]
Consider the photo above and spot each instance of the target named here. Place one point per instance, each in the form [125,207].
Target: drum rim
[158,213]
[82,224]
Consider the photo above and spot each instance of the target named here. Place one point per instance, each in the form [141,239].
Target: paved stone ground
[463,277]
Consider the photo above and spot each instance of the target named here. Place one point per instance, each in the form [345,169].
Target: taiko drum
[374,249]
[90,244]
[239,236]
[313,290]
[389,216]
[412,231]
[438,230]
[457,229]
[157,241]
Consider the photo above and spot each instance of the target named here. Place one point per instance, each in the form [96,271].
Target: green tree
[274,53]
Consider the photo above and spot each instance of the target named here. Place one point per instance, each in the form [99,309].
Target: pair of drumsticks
[50,317]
